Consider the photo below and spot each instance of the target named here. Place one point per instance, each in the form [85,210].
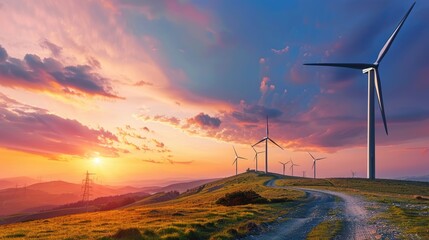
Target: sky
[162,90]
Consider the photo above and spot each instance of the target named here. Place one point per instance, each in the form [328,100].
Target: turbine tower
[371,69]
[256,158]
[284,165]
[292,165]
[236,160]
[266,138]
[314,164]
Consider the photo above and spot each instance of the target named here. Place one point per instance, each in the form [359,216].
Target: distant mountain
[50,194]
[424,178]
[16,182]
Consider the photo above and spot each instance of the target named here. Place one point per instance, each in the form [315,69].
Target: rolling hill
[47,195]
[199,213]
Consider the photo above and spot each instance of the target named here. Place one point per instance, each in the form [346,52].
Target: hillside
[197,214]
[47,195]
[193,215]
[16,182]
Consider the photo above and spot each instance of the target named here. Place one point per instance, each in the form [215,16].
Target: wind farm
[117,120]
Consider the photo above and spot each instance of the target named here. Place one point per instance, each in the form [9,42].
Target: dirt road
[299,222]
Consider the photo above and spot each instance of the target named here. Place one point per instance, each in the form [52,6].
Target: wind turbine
[284,165]
[371,69]
[314,164]
[236,160]
[292,165]
[266,138]
[256,158]
[353,174]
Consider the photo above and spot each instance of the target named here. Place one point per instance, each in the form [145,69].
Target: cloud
[180,162]
[35,130]
[142,83]
[158,144]
[204,120]
[34,74]
[280,51]
[55,50]
[152,161]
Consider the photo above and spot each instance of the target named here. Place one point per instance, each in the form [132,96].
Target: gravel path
[298,223]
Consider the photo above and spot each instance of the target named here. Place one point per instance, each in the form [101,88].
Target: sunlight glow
[97,160]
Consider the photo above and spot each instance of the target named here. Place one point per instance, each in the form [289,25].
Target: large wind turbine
[236,160]
[266,146]
[314,164]
[256,158]
[284,165]
[371,69]
[292,165]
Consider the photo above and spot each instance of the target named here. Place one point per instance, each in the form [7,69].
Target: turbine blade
[235,151]
[254,149]
[392,37]
[380,98]
[311,155]
[320,158]
[259,142]
[343,65]
[275,143]
[242,158]
[234,161]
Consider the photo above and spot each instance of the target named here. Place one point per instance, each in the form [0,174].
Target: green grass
[329,228]
[194,215]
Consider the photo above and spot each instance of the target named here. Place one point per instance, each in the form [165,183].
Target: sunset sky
[164,89]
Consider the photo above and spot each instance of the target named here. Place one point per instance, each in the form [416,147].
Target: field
[194,215]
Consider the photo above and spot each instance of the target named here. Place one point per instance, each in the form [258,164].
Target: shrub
[128,234]
[241,198]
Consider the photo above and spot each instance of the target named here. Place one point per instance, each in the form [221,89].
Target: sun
[97,160]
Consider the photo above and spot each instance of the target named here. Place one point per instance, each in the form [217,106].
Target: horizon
[161,92]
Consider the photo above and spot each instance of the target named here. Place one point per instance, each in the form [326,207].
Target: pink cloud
[34,74]
[35,130]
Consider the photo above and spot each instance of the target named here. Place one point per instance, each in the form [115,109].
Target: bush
[241,198]
[128,234]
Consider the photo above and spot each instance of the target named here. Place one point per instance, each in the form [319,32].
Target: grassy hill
[193,215]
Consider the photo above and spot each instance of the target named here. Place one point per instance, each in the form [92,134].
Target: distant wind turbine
[266,146]
[373,80]
[314,164]
[236,160]
[292,165]
[256,158]
[284,165]
[353,174]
